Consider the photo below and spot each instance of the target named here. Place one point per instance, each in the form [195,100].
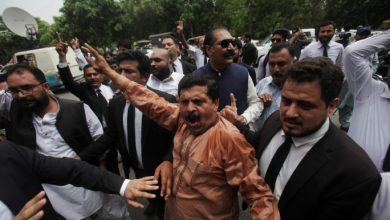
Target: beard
[325,39]
[162,73]
[34,105]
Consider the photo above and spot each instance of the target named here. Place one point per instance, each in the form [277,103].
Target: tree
[94,21]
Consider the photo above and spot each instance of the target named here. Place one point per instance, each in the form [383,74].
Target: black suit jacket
[22,171]
[335,180]
[187,67]
[156,141]
[83,91]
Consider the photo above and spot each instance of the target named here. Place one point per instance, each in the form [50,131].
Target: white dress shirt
[299,149]
[260,69]
[267,86]
[106,91]
[197,54]
[168,85]
[178,66]
[316,49]
[69,201]
[255,107]
[5,213]
[370,122]
[137,130]
[380,208]
[82,202]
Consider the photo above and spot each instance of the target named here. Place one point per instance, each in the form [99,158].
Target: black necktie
[102,101]
[277,162]
[325,53]
[205,60]
[174,67]
[386,162]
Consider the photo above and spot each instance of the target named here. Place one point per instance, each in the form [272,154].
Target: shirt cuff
[62,65]
[123,187]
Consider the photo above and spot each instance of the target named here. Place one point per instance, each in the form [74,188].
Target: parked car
[46,59]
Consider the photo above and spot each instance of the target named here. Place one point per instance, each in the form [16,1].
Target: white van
[46,59]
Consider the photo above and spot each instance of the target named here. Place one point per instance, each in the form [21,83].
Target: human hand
[266,98]
[77,157]
[96,60]
[61,48]
[136,189]
[179,27]
[74,43]
[33,208]
[230,111]
[164,170]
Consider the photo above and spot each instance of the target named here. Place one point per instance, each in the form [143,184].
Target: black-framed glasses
[276,40]
[25,90]
[225,43]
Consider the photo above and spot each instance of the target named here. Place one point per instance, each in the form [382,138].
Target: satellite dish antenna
[20,22]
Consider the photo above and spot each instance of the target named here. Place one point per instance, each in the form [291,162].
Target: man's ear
[208,49]
[145,77]
[333,104]
[216,104]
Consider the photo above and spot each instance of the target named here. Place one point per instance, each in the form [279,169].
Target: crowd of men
[205,122]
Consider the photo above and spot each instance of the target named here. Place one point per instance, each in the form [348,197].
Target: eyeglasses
[277,40]
[25,90]
[225,43]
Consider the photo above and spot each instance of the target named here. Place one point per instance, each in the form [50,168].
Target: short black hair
[174,39]
[209,37]
[124,43]
[318,69]
[88,65]
[280,46]
[191,80]
[282,32]
[326,23]
[248,35]
[142,59]
[238,43]
[20,67]
[108,53]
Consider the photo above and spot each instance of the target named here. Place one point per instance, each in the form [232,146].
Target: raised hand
[179,27]
[33,208]
[61,47]
[74,43]
[230,111]
[136,189]
[96,60]
[164,171]
[100,65]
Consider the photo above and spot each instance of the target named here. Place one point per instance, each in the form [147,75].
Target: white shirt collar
[312,138]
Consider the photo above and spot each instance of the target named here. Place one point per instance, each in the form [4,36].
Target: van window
[27,59]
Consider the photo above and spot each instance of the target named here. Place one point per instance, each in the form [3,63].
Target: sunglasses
[225,43]
[277,40]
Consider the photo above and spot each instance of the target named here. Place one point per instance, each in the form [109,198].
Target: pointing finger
[232,100]
[58,36]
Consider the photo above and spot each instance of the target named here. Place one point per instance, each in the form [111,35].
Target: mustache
[292,121]
[192,117]
[229,53]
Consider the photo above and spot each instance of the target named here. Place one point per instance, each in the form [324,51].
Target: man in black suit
[179,65]
[22,172]
[92,92]
[314,169]
[145,146]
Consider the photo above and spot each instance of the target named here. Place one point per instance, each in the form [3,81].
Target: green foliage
[102,23]
[11,43]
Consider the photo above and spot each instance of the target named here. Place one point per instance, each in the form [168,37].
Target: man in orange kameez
[211,159]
